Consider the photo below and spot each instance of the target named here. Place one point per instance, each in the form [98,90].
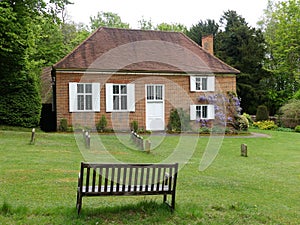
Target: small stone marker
[244,150]
[147,146]
[32,136]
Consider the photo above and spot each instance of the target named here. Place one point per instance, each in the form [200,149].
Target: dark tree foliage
[20,99]
[243,47]
[33,34]
[201,29]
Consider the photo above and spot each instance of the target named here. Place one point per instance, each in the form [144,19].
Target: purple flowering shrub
[227,112]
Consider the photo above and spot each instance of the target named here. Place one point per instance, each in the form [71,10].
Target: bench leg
[78,203]
[173,202]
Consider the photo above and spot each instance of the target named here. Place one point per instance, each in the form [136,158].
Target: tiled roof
[113,49]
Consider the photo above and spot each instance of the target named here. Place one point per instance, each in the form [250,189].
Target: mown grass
[38,182]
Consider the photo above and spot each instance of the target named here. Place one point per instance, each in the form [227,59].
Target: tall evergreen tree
[201,29]
[243,47]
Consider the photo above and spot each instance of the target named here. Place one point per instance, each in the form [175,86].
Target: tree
[201,29]
[243,47]
[146,24]
[177,27]
[30,38]
[107,19]
[20,99]
[282,30]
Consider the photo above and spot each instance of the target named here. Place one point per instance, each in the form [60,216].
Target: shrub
[250,121]
[243,122]
[63,125]
[204,130]
[289,114]
[134,126]
[179,120]
[297,95]
[262,113]
[297,129]
[265,125]
[101,125]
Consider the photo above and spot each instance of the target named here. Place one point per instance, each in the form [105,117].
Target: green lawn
[38,182]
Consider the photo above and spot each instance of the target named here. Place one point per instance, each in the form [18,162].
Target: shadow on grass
[144,212]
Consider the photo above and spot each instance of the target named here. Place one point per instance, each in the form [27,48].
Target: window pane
[123,102]
[88,88]
[150,92]
[80,102]
[116,103]
[123,89]
[80,88]
[198,83]
[116,89]
[159,93]
[88,102]
[204,83]
[198,111]
[204,111]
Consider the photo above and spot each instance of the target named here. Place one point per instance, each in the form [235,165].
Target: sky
[186,12]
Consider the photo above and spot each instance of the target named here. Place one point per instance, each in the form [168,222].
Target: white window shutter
[72,97]
[109,97]
[211,83]
[192,83]
[211,112]
[131,97]
[96,97]
[192,112]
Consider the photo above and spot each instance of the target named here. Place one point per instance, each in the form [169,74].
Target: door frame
[158,101]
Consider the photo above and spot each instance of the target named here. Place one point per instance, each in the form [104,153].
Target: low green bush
[289,114]
[297,129]
[63,125]
[101,125]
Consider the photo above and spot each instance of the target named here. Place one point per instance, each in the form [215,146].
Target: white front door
[155,109]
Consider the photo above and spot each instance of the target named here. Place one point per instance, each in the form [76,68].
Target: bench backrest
[127,177]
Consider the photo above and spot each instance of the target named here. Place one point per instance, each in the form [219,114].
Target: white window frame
[202,83]
[130,95]
[157,94]
[208,115]
[73,97]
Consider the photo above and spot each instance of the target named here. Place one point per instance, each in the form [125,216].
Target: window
[84,97]
[202,112]
[120,97]
[202,83]
[155,92]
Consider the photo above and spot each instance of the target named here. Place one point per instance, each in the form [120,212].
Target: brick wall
[177,95]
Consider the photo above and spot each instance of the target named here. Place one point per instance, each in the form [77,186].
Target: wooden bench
[127,179]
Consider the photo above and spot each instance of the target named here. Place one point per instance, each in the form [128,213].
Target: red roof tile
[112,49]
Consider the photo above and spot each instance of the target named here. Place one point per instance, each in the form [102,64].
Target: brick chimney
[208,43]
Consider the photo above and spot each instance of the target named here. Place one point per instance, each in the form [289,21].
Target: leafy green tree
[177,27]
[107,19]
[282,30]
[146,24]
[243,47]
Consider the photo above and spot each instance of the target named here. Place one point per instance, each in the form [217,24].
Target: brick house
[137,75]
